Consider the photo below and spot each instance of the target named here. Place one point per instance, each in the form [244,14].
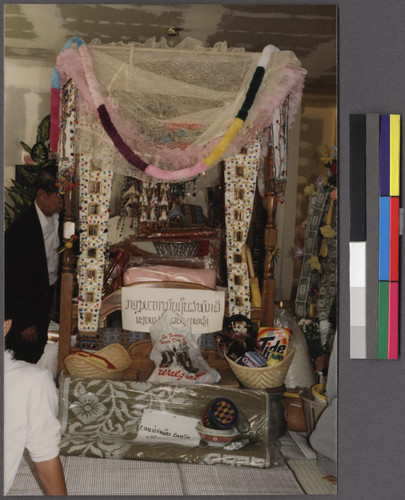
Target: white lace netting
[173,105]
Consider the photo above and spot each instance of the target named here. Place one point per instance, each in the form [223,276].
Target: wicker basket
[267,377]
[79,366]
[312,410]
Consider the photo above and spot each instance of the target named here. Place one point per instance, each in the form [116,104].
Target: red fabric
[54,132]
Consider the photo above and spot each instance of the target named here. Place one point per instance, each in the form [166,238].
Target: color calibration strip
[372,211]
[374,235]
[393,277]
[358,326]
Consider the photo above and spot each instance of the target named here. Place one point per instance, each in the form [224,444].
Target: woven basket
[312,410]
[79,366]
[267,377]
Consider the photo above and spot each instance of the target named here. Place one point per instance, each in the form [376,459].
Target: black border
[371,402]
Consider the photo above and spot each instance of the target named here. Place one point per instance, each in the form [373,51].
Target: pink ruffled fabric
[69,64]
[205,277]
[292,85]
[176,175]
[91,79]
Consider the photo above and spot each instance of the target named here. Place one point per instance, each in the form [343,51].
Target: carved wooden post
[270,243]
[68,268]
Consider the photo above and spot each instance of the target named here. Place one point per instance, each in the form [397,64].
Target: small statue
[176,215]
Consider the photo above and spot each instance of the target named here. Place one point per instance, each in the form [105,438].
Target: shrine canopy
[152,111]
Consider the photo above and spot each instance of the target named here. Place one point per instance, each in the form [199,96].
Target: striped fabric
[313,480]
[101,477]
[388,291]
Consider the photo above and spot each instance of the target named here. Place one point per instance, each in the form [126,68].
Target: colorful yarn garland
[126,151]
[119,143]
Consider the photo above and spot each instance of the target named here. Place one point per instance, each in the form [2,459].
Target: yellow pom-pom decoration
[314,263]
[224,143]
[327,231]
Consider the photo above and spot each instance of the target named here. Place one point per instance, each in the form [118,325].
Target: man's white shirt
[30,415]
[49,227]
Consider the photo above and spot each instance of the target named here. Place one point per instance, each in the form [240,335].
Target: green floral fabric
[101,418]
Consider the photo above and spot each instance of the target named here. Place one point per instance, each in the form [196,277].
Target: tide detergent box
[273,340]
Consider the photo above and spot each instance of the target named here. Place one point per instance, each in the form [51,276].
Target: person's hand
[30,334]
[321,363]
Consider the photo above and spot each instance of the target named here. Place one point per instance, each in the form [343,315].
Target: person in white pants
[30,421]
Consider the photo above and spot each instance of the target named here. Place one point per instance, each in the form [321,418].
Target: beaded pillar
[240,186]
[95,194]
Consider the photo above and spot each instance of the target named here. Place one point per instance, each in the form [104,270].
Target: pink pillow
[206,277]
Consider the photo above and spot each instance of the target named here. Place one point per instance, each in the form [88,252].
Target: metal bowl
[217,437]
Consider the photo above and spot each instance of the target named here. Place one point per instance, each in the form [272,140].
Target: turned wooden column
[270,243]
[68,269]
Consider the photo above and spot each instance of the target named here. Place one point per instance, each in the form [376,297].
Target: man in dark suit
[31,268]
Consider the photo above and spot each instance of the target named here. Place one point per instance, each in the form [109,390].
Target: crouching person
[30,421]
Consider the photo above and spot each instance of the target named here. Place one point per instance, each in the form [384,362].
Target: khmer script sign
[163,427]
[142,307]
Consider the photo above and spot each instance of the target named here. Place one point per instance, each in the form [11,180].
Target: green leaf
[9,214]
[18,200]
[43,130]
[16,186]
[6,204]
[51,162]
[26,147]
[39,153]
[8,218]
[21,196]
[29,176]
